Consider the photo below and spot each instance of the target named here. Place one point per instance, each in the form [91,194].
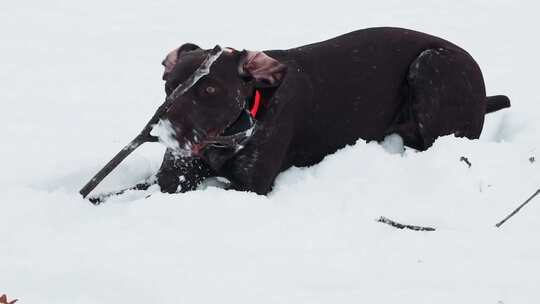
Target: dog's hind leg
[447,96]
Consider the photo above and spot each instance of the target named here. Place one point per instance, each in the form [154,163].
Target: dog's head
[215,101]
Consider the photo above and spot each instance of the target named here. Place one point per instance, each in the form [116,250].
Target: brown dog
[313,100]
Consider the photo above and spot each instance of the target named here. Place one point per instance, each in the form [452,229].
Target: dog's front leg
[255,168]
[181,174]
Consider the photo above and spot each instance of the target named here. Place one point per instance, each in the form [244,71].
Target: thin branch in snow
[499,224]
[466,160]
[388,221]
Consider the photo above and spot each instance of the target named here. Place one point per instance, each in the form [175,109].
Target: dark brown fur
[318,98]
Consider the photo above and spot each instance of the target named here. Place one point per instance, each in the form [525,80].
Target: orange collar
[256,104]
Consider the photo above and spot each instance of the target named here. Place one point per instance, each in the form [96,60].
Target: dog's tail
[497,102]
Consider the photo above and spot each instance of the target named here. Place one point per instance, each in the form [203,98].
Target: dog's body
[318,98]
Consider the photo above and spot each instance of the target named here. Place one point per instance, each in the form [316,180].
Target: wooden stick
[101,198]
[113,163]
[388,221]
[499,224]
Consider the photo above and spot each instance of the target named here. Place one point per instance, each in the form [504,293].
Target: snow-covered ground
[80,78]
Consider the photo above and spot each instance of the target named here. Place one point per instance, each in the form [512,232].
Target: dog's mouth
[233,137]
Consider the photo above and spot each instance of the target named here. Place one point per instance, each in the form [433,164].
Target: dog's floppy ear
[267,71]
[172,58]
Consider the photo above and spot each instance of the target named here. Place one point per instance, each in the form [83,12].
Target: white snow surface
[80,78]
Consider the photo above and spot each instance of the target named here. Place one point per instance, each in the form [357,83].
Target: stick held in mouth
[144,136]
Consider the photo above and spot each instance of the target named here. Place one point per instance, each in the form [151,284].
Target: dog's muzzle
[236,135]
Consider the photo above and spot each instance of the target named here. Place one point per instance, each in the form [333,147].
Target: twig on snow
[98,199]
[388,221]
[499,224]
[466,160]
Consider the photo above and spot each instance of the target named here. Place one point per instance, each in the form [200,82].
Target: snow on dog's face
[216,100]
[210,105]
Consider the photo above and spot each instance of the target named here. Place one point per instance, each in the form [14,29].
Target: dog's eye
[210,90]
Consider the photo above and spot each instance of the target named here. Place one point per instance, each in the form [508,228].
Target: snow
[393,143]
[80,78]
[164,131]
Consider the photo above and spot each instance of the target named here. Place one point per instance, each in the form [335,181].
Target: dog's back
[357,86]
